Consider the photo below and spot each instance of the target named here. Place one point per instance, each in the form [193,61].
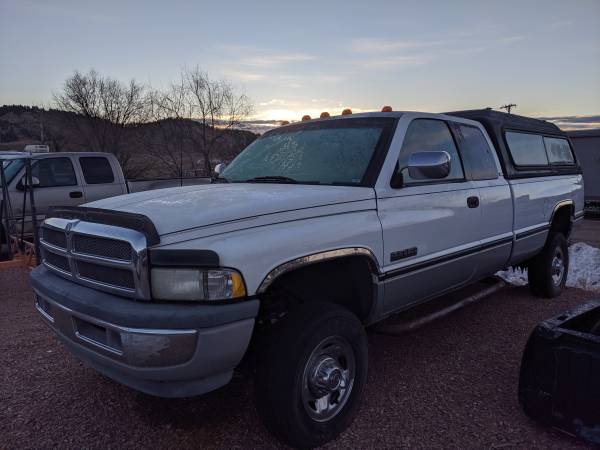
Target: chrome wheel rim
[328,378]
[558,267]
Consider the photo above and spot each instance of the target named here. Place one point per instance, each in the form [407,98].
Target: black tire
[293,347]
[543,270]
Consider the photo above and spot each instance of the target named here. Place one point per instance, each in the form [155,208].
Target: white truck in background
[71,179]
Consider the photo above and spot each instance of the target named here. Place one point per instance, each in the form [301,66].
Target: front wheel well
[348,282]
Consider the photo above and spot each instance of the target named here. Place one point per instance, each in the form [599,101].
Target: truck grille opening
[108,248]
[57,238]
[58,261]
[107,275]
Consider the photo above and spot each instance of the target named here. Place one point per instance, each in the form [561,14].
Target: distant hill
[149,149]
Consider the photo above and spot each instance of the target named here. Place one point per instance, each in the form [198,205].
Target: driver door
[429,226]
[59,186]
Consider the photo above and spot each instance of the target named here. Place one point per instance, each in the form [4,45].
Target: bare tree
[216,106]
[109,106]
[167,134]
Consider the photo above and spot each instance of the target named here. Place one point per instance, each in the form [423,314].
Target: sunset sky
[303,57]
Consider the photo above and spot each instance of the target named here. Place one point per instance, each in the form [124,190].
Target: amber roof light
[305,117]
[324,114]
[346,112]
[386,109]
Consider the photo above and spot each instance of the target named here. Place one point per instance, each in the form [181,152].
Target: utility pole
[42,135]
[508,107]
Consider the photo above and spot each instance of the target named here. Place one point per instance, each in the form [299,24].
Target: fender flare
[317,258]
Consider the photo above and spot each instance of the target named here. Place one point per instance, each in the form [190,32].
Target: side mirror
[219,168]
[429,165]
[23,182]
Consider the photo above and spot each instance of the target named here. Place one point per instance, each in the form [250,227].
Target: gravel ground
[451,384]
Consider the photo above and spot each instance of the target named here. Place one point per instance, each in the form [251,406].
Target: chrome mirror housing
[429,165]
[219,168]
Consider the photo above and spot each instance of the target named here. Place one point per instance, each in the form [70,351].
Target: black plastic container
[559,384]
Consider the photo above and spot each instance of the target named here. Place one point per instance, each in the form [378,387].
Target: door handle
[473,202]
[76,194]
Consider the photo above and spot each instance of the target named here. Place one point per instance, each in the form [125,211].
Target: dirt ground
[452,384]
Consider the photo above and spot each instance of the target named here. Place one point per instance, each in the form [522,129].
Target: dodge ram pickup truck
[315,231]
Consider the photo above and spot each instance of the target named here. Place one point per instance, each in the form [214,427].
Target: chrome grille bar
[130,276]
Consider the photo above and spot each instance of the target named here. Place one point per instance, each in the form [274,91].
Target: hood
[177,209]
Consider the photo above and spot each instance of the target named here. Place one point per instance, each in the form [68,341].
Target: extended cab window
[559,151]
[476,153]
[327,152]
[53,172]
[96,170]
[427,135]
[527,149]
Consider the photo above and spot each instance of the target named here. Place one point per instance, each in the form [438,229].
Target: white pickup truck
[315,231]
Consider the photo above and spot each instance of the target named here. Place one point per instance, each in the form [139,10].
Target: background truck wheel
[547,272]
[311,374]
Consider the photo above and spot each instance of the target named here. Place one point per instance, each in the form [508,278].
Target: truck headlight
[196,284]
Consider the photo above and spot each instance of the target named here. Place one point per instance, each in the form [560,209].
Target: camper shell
[498,123]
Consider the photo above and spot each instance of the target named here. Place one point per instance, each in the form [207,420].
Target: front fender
[257,251]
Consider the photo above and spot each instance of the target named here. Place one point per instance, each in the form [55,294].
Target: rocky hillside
[147,150]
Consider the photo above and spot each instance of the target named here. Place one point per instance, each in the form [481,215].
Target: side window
[53,172]
[559,151]
[429,135]
[96,170]
[476,153]
[527,149]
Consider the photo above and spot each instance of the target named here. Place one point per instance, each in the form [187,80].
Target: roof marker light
[305,117]
[346,112]
[386,108]
[324,115]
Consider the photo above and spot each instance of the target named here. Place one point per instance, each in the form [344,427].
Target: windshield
[328,152]
[11,168]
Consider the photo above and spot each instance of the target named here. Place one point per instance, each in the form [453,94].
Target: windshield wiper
[271,179]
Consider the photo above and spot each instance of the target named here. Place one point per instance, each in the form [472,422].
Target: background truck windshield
[329,152]
[12,167]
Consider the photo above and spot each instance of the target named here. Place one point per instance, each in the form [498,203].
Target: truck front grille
[107,275]
[104,257]
[53,237]
[109,248]
[57,261]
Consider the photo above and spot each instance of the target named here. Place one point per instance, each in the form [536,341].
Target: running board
[465,297]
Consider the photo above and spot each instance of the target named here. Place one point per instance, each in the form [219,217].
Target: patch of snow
[516,277]
[584,269]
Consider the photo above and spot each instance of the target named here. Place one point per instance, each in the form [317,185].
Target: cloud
[244,76]
[264,57]
[561,24]
[370,45]
[574,122]
[399,61]
[385,53]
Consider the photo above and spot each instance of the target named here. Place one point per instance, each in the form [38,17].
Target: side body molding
[316,258]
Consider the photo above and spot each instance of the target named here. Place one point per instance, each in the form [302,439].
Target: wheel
[311,374]
[547,273]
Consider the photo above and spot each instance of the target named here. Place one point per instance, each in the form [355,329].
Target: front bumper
[167,350]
